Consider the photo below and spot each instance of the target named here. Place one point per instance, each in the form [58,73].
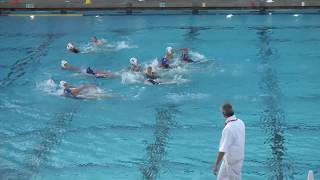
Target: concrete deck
[154,4]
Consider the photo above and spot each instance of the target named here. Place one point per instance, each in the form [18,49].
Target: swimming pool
[267,65]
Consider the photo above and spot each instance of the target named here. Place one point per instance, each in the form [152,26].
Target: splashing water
[131,77]
[154,64]
[105,46]
[168,76]
[122,45]
[197,55]
[50,87]
[91,92]
[177,79]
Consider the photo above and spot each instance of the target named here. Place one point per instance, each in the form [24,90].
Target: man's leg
[223,172]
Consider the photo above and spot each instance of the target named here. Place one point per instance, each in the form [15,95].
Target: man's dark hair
[227,109]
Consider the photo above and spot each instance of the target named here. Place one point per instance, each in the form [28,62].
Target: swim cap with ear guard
[134,61]
[169,50]
[63,63]
[62,83]
[70,46]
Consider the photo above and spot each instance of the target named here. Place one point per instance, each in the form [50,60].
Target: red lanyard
[230,121]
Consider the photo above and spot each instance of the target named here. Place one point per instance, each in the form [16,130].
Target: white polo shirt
[232,144]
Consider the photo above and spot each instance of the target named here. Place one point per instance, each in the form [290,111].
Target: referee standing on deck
[231,148]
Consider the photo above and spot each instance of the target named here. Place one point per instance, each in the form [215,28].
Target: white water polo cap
[134,61]
[70,46]
[62,83]
[169,50]
[63,63]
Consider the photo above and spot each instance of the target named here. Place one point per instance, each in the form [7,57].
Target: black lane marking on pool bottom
[18,69]
[28,35]
[150,169]
[126,31]
[28,50]
[193,32]
[49,138]
[273,117]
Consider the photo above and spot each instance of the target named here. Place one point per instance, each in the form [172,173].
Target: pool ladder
[310,175]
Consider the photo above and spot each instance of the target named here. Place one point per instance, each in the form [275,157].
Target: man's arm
[216,166]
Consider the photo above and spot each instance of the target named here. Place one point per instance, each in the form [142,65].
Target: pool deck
[47,5]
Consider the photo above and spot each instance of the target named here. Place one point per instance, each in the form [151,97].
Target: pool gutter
[158,8]
[135,7]
[137,12]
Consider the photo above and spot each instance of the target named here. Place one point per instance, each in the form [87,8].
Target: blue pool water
[268,66]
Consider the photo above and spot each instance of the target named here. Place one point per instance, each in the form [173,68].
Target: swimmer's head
[149,70]
[134,61]
[169,50]
[63,84]
[94,39]
[70,46]
[90,71]
[64,63]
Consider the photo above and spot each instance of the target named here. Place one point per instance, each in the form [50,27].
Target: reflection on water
[273,117]
[193,32]
[156,151]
